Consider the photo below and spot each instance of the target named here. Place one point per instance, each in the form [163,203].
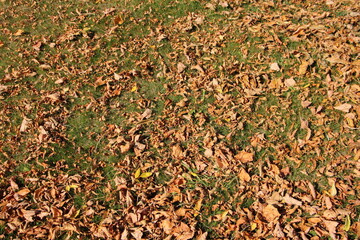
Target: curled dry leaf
[146,114]
[25,124]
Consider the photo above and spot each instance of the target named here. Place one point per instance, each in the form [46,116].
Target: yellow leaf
[198,205]
[223,215]
[146,174]
[137,173]
[194,174]
[68,187]
[347,223]
[77,213]
[253,226]
[134,88]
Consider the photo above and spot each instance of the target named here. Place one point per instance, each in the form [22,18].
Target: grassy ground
[179,119]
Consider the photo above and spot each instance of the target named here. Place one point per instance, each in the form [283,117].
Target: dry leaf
[118,20]
[303,67]
[270,213]
[290,82]
[180,67]
[25,124]
[177,152]
[167,225]
[278,231]
[275,66]
[23,192]
[291,201]
[244,157]
[331,227]
[146,114]
[344,107]
[244,176]
[19,32]
[209,153]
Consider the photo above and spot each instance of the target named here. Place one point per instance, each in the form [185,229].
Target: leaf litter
[222,119]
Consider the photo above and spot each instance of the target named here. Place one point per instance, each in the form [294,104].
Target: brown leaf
[183,232]
[37,46]
[177,152]
[209,153]
[331,227]
[23,192]
[146,114]
[180,67]
[125,148]
[28,214]
[290,82]
[244,157]
[25,124]
[278,231]
[344,107]
[167,226]
[303,67]
[244,176]
[291,201]
[118,20]
[275,66]
[270,213]
[202,236]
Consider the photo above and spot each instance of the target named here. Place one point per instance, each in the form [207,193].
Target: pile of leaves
[180,119]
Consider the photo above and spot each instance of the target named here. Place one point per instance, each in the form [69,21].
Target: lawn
[168,119]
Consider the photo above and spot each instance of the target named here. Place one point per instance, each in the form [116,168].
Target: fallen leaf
[145,174]
[180,67]
[118,20]
[244,157]
[244,176]
[290,82]
[167,225]
[137,173]
[68,187]
[270,213]
[146,114]
[347,224]
[209,153]
[278,232]
[291,201]
[177,152]
[303,67]
[134,88]
[19,32]
[344,107]
[331,227]
[23,192]
[25,124]
[333,190]
[274,66]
